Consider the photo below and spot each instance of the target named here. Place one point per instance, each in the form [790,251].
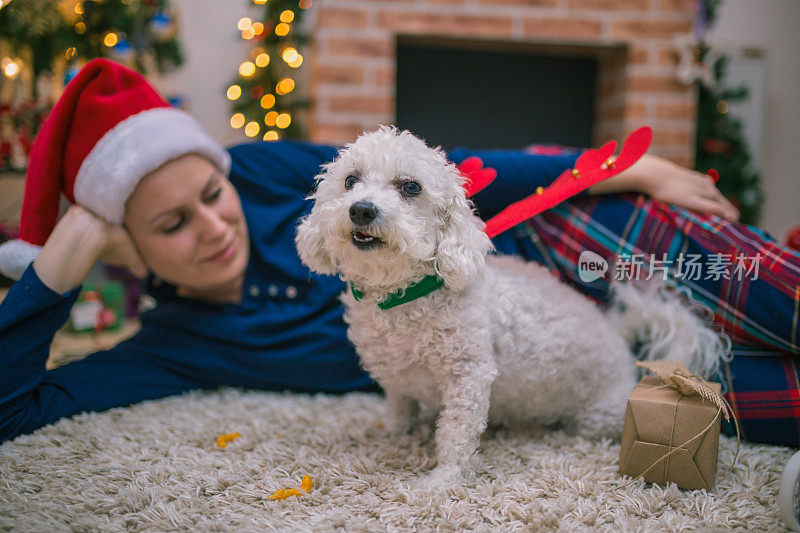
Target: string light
[78,9]
[80,28]
[237,121]
[282,29]
[267,101]
[234,92]
[297,61]
[252,129]
[287,16]
[110,39]
[285,86]
[247,69]
[258,28]
[244,23]
[289,55]
[305,4]
[71,52]
[262,60]
[283,120]
[259,2]
[271,118]
[249,33]
[271,135]
[722,107]
[10,67]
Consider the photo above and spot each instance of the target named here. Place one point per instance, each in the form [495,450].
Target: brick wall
[353,58]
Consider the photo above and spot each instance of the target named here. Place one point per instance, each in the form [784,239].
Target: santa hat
[109,129]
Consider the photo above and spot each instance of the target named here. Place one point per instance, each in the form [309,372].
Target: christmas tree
[43,43]
[721,144]
[264,96]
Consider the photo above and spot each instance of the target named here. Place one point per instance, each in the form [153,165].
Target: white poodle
[474,337]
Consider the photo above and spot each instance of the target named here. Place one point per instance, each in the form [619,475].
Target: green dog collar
[423,287]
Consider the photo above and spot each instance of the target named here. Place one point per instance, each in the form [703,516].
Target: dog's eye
[350,182]
[411,188]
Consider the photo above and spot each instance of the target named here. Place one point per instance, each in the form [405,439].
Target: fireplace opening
[494,94]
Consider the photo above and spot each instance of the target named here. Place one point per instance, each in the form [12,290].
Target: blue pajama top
[287,333]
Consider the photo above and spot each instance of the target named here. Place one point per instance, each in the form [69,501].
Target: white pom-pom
[15,256]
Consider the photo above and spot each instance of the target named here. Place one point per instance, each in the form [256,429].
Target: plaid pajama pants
[749,281]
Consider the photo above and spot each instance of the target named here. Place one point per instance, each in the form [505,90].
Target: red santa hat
[109,129]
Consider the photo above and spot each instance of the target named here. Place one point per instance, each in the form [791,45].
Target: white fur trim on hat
[15,256]
[132,149]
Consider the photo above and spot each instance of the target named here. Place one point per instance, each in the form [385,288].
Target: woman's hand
[76,243]
[672,184]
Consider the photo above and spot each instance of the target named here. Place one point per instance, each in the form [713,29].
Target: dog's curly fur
[503,340]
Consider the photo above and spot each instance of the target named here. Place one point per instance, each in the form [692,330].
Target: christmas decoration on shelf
[720,140]
[43,44]
[264,97]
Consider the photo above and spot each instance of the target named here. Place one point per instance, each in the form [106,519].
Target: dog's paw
[440,478]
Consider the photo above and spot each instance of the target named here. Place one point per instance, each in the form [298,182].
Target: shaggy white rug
[156,467]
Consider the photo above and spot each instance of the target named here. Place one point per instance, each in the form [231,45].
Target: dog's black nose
[363,213]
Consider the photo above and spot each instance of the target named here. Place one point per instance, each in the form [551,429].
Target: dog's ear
[311,244]
[463,245]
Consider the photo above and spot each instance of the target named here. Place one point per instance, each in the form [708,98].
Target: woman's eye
[350,182]
[214,195]
[411,188]
[176,226]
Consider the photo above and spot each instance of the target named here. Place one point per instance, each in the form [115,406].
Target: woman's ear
[311,245]
[463,245]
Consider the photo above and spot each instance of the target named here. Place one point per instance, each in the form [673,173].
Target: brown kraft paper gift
[660,419]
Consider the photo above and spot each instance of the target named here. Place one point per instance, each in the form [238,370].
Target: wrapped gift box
[659,419]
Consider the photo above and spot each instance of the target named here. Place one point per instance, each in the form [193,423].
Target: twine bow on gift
[676,376]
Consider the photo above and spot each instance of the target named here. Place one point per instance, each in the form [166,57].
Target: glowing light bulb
[249,33]
[297,61]
[257,51]
[271,135]
[247,69]
[110,39]
[80,28]
[259,2]
[282,29]
[262,60]
[283,120]
[267,101]
[71,52]
[285,86]
[78,9]
[258,28]
[244,23]
[287,16]
[252,129]
[271,118]
[10,68]
[237,121]
[289,55]
[234,92]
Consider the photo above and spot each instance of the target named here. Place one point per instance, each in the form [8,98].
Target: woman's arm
[77,242]
[672,184]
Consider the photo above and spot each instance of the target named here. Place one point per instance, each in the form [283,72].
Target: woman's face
[186,220]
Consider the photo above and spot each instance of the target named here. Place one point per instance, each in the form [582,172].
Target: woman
[234,304]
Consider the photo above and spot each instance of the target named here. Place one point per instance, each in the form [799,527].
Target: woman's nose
[214,225]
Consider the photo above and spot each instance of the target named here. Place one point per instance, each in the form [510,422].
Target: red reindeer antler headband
[592,167]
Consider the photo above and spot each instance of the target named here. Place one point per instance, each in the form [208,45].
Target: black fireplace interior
[478,97]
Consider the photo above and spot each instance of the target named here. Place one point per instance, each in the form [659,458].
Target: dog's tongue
[592,167]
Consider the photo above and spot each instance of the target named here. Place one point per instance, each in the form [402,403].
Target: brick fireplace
[353,58]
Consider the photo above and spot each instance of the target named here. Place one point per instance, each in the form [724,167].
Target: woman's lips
[224,255]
